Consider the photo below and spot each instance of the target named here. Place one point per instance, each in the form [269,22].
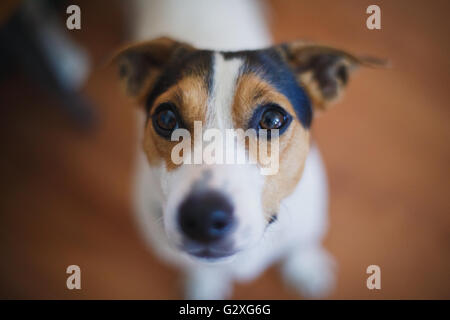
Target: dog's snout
[206,217]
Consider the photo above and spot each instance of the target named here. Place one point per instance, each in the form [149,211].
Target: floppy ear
[323,71]
[141,64]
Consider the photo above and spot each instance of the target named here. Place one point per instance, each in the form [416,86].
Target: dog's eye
[165,120]
[272,119]
[270,116]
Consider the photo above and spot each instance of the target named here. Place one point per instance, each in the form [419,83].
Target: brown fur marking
[190,95]
[251,92]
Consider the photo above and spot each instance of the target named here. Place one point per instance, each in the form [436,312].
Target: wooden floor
[65,193]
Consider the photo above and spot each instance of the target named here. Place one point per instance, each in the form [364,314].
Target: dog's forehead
[220,71]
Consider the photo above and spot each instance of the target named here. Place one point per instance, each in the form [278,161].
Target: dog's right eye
[166,120]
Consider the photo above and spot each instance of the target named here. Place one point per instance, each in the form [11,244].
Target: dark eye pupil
[167,120]
[272,119]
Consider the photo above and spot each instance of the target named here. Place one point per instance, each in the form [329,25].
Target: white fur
[226,72]
[296,237]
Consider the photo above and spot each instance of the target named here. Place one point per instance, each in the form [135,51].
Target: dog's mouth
[209,254]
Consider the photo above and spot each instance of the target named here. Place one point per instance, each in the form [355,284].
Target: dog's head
[213,210]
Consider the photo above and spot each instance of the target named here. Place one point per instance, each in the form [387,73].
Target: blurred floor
[65,194]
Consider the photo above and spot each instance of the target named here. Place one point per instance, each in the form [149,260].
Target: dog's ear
[141,64]
[322,71]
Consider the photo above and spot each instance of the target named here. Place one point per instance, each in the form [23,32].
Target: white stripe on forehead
[225,74]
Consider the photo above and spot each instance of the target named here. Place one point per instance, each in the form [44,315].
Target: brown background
[65,193]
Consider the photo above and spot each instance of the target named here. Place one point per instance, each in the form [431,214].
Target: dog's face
[212,211]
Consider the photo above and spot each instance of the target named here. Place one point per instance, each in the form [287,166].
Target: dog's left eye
[270,116]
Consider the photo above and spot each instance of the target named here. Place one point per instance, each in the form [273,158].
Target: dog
[223,223]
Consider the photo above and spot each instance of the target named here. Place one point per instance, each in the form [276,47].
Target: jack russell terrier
[225,223]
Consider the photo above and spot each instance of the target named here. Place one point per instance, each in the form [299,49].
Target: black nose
[206,217]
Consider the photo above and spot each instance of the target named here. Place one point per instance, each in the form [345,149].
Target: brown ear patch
[141,64]
[323,71]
